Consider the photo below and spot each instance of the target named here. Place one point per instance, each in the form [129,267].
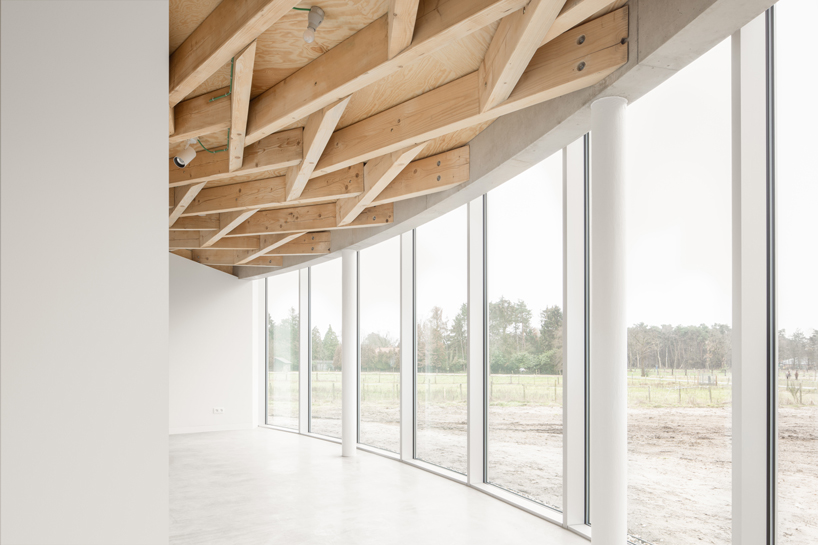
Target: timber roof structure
[296,139]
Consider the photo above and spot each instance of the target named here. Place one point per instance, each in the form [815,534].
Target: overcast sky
[678,210]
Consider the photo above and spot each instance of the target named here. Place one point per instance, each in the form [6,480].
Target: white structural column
[304,363]
[608,334]
[750,281]
[573,333]
[407,346]
[476,328]
[349,352]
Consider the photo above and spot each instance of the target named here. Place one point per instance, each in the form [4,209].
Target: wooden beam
[224,257]
[560,67]
[228,269]
[363,59]
[228,28]
[187,254]
[378,173]
[269,193]
[240,103]
[517,39]
[573,13]
[227,222]
[317,217]
[426,176]
[183,196]
[265,261]
[309,244]
[317,133]
[196,223]
[198,116]
[268,243]
[277,151]
[171,121]
[401,19]
[192,240]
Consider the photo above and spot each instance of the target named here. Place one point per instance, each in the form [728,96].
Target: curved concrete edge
[665,36]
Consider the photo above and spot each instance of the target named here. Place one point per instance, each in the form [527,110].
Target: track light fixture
[188,154]
[314,18]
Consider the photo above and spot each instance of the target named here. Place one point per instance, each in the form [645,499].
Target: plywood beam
[317,133]
[573,13]
[364,59]
[277,151]
[196,223]
[426,176]
[268,243]
[240,103]
[198,116]
[310,218]
[517,39]
[269,192]
[192,240]
[378,173]
[401,19]
[309,244]
[562,66]
[228,221]
[228,29]
[183,196]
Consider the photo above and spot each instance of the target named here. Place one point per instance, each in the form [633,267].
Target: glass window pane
[441,276]
[679,306]
[282,350]
[325,348]
[525,333]
[379,318]
[796,239]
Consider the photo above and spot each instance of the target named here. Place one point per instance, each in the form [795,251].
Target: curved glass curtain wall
[797,266]
[282,350]
[679,307]
[525,293]
[379,319]
[441,315]
[325,348]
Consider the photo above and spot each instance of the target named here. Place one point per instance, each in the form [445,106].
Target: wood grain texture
[276,151]
[182,197]
[268,243]
[575,12]
[192,240]
[310,218]
[240,103]
[227,222]
[308,244]
[517,39]
[198,117]
[184,17]
[425,176]
[317,133]
[226,31]
[401,19]
[225,257]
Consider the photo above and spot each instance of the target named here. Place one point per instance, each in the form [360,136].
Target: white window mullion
[304,363]
[407,346]
[476,331]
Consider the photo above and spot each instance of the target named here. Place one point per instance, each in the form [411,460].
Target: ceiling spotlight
[188,154]
[314,18]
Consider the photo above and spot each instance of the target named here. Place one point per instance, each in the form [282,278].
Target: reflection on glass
[525,333]
[282,350]
[379,309]
[679,307]
[325,348]
[441,312]
[797,238]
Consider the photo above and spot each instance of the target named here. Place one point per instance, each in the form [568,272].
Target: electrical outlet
[218,410]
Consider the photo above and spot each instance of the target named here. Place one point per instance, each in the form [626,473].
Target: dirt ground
[679,463]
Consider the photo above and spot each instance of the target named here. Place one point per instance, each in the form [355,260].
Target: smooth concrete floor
[267,486]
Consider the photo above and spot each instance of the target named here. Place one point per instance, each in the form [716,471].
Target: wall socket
[218,410]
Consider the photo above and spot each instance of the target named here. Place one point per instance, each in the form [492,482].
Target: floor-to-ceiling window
[679,306]
[379,318]
[797,254]
[282,350]
[525,294]
[325,348]
[442,338]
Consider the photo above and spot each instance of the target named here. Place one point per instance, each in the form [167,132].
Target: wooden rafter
[401,19]
[517,39]
[227,257]
[309,244]
[268,243]
[277,151]
[198,116]
[196,223]
[183,196]
[225,32]
[573,13]
[228,221]
[317,133]
[363,59]
[270,192]
[171,121]
[192,240]
[317,217]
[378,173]
[240,103]
[426,176]
[563,65]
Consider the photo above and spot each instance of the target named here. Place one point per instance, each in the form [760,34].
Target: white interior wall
[83,281]
[212,351]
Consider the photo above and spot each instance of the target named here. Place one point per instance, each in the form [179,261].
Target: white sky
[679,212]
